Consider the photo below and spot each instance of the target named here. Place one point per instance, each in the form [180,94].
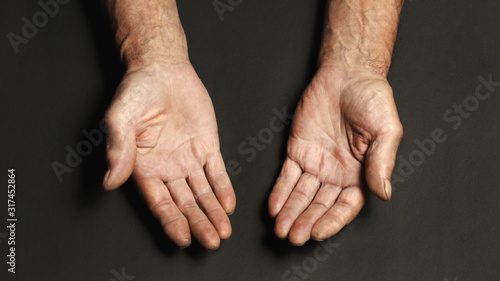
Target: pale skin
[343,140]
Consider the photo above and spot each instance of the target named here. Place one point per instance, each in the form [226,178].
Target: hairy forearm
[360,34]
[148,31]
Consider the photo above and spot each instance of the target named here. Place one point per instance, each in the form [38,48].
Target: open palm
[343,139]
[163,130]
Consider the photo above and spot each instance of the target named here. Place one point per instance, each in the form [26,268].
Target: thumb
[380,161]
[121,153]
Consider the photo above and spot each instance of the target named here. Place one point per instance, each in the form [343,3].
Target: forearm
[148,31]
[360,34]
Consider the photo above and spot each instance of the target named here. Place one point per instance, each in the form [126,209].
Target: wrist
[139,53]
[339,75]
[352,61]
[150,36]
[153,60]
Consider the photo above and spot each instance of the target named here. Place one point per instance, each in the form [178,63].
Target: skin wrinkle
[352,145]
[306,168]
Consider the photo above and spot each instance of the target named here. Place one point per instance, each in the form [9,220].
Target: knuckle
[395,129]
[171,220]
[301,195]
[399,129]
[320,204]
[111,119]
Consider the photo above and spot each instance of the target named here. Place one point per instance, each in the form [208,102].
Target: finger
[345,209]
[201,228]
[121,153]
[220,182]
[380,161]
[159,201]
[290,174]
[205,198]
[323,201]
[299,199]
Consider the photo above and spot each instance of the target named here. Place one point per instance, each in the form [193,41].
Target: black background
[442,222]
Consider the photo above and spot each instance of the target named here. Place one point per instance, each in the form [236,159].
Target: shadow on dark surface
[95,164]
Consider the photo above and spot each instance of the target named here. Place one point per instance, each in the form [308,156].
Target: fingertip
[224,230]
[300,232]
[178,231]
[224,235]
[273,206]
[108,182]
[297,239]
[320,230]
[181,238]
[317,239]
[183,243]
[280,236]
[324,229]
[318,235]
[272,212]
[227,199]
[377,185]
[121,158]
[207,235]
[296,244]
[229,205]
[213,244]
[381,160]
[388,189]
[280,231]
[105,185]
[381,194]
[111,182]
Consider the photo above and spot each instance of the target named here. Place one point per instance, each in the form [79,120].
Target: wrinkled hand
[344,138]
[162,128]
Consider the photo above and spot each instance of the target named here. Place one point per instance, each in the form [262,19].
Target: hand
[162,128]
[343,139]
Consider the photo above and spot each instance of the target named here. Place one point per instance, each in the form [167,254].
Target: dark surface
[442,222]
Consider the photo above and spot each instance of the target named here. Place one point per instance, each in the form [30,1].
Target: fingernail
[106,176]
[388,189]
[186,242]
